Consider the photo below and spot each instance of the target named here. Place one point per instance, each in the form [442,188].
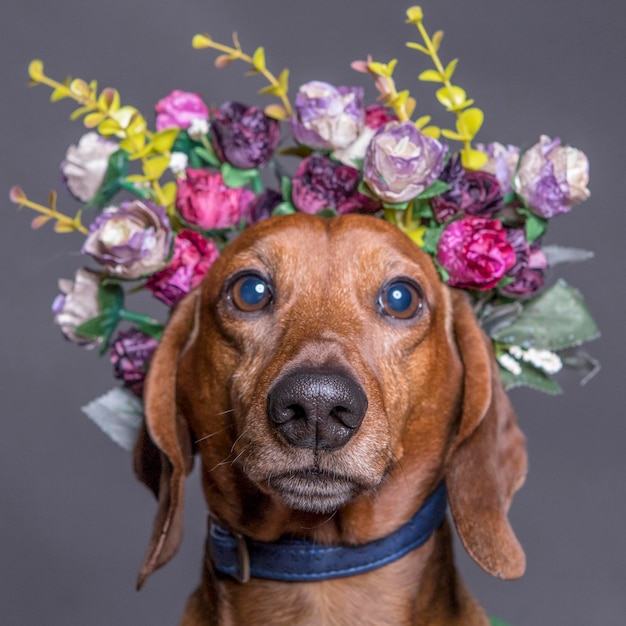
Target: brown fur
[436,409]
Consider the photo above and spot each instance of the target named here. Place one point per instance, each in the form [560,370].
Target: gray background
[74,523]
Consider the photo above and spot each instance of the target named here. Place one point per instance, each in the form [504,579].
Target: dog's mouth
[314,491]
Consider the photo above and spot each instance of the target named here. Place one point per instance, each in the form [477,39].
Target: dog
[330,383]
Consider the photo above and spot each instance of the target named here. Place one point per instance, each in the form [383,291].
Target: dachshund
[330,384]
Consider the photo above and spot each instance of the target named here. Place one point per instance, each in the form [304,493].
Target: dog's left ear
[163,452]
[488,461]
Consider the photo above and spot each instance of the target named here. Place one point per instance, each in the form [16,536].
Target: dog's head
[322,361]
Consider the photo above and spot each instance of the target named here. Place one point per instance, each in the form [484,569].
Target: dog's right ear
[163,452]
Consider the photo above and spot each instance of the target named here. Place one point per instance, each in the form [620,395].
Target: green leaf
[110,297]
[285,188]
[207,155]
[327,213]
[555,320]
[535,226]
[235,178]
[436,189]
[297,151]
[284,208]
[431,239]
[396,206]
[529,377]
[496,622]
[95,328]
[561,254]
[113,180]
[422,208]
[151,328]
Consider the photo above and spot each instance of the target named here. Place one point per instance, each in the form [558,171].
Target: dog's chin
[314,491]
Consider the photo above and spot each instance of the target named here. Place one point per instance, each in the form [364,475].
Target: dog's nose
[317,410]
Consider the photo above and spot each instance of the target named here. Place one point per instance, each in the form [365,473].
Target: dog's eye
[251,293]
[400,299]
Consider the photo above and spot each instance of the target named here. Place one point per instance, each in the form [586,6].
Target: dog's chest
[374,599]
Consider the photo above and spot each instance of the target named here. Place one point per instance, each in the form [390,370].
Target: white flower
[77,303]
[86,164]
[509,363]
[544,360]
[198,128]
[178,163]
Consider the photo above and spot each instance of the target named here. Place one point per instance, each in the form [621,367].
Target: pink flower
[179,109]
[475,253]
[193,256]
[203,200]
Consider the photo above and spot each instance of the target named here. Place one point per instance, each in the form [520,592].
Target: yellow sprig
[277,86]
[105,113]
[452,97]
[64,223]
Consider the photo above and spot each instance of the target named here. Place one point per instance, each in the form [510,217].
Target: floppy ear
[163,453]
[488,459]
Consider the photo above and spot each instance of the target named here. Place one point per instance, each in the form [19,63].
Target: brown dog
[329,382]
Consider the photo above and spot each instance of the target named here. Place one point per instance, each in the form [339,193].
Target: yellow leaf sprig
[402,103]
[105,113]
[64,223]
[453,98]
[278,86]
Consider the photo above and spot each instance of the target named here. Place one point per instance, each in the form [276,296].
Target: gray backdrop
[74,523]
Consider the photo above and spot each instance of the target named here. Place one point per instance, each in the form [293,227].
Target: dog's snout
[317,410]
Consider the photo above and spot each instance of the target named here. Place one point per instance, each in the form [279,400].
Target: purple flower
[552,178]
[328,117]
[244,136]
[180,109]
[401,162]
[472,193]
[262,206]
[130,356]
[86,164]
[77,303]
[192,258]
[501,162]
[529,276]
[131,240]
[320,183]
[475,253]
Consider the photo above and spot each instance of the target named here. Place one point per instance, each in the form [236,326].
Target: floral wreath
[191,185]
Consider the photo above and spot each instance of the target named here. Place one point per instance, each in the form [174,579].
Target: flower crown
[191,185]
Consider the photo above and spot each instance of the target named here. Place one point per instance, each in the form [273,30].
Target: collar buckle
[242,574]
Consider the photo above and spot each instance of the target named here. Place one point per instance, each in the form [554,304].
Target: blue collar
[301,561]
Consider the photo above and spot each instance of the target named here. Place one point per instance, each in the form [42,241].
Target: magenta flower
[86,164]
[377,115]
[552,178]
[244,136]
[320,183]
[401,162]
[203,200]
[192,258]
[472,193]
[179,109]
[130,356]
[475,253]
[131,240]
[328,117]
[77,303]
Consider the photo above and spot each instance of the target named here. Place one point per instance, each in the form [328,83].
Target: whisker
[217,432]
